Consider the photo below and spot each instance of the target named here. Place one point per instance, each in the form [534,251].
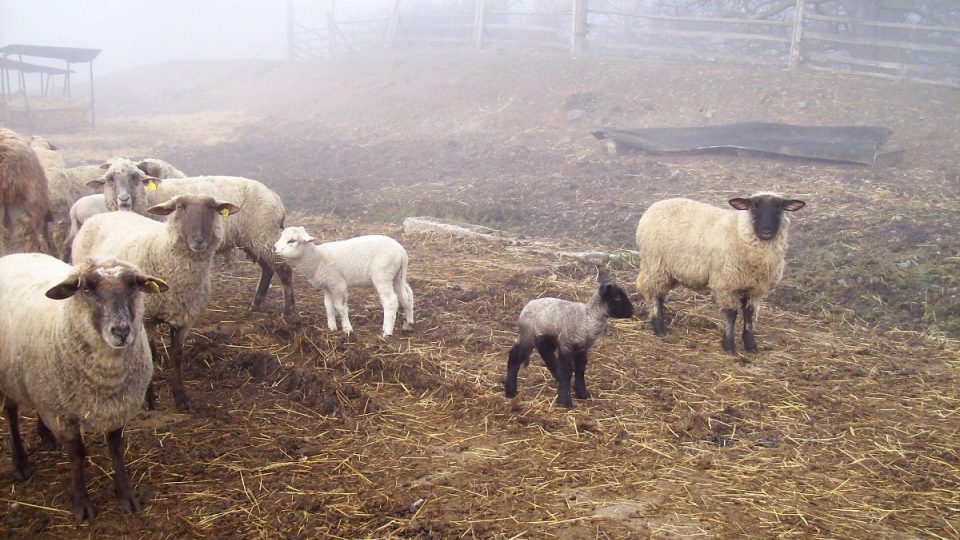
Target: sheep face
[292,242]
[110,291]
[124,185]
[766,212]
[614,298]
[197,219]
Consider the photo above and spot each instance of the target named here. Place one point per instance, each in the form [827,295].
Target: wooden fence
[795,36]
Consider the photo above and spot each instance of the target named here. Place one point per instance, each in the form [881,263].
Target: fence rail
[797,36]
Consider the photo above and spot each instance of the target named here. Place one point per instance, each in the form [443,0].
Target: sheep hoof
[565,402]
[129,503]
[82,509]
[582,394]
[181,400]
[22,472]
[729,346]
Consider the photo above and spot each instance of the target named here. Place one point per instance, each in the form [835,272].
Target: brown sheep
[24,201]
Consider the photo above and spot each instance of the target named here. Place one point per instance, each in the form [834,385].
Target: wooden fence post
[479,19]
[392,25]
[579,26]
[797,36]
[290,37]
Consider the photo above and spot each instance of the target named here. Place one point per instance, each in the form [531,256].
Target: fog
[133,33]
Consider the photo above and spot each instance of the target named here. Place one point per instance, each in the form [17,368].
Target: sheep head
[110,291]
[292,242]
[196,219]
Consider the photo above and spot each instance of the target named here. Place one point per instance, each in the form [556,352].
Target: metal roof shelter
[69,55]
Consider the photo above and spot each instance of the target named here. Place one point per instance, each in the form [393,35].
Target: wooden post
[392,25]
[93,107]
[331,32]
[479,20]
[290,37]
[579,26]
[797,36]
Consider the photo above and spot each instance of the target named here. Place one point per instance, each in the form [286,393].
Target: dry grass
[831,431]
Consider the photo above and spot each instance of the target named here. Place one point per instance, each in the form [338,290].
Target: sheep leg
[388,299]
[519,355]
[340,298]
[405,294]
[579,369]
[331,314]
[178,335]
[731,322]
[749,342]
[547,347]
[564,373]
[266,275]
[80,501]
[47,440]
[285,273]
[125,495]
[150,398]
[21,468]
[656,318]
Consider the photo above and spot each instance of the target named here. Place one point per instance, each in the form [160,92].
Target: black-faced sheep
[737,254]
[24,199]
[568,329]
[181,250]
[334,267]
[73,347]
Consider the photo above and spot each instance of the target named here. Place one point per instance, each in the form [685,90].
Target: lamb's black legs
[580,367]
[749,343]
[518,356]
[731,321]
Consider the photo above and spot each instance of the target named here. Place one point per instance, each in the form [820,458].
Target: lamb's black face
[766,212]
[617,302]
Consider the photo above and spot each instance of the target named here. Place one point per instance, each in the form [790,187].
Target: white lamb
[73,347]
[181,250]
[737,254]
[333,267]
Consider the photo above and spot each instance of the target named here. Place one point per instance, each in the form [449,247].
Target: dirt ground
[844,425]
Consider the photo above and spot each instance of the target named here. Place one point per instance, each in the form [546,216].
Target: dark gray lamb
[569,328]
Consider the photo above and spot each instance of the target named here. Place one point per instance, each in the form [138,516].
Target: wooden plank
[561,45]
[722,20]
[884,76]
[825,18]
[689,33]
[528,13]
[437,39]
[910,45]
[896,66]
[691,52]
[525,27]
[421,25]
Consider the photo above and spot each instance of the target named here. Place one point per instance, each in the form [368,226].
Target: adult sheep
[181,250]
[737,254]
[254,230]
[47,153]
[72,346]
[67,186]
[24,199]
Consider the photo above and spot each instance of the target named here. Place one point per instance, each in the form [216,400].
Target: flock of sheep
[77,341]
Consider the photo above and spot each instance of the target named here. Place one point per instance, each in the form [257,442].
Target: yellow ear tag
[153,285]
[224,212]
[151,185]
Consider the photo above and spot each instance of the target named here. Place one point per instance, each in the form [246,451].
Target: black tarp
[856,144]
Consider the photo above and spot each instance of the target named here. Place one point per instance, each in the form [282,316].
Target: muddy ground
[842,426]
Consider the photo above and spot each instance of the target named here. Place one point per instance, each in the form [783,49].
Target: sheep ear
[225,208]
[150,284]
[793,204]
[603,276]
[64,289]
[105,165]
[150,183]
[97,183]
[740,203]
[163,209]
